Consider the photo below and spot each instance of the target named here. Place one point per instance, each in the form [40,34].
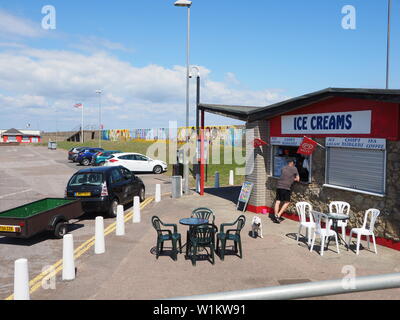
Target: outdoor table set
[201,234]
[328,225]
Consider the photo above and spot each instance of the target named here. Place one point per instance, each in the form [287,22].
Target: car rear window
[93,179]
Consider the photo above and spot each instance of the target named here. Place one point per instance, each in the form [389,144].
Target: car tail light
[113,160]
[99,153]
[104,190]
[22,224]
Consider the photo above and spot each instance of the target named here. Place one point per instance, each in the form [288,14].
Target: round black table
[191,222]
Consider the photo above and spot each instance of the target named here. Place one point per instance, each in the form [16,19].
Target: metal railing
[308,290]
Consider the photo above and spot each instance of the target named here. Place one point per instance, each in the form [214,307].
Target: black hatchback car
[102,189]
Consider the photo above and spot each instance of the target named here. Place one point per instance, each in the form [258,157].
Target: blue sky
[254,54]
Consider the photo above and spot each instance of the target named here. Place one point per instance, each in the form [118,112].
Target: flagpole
[82,133]
[315,142]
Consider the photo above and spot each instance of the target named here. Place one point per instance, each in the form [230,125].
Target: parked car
[102,189]
[73,152]
[136,162]
[85,156]
[99,159]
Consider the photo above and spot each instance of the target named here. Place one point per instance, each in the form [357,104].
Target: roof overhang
[249,114]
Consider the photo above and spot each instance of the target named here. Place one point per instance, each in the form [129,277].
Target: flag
[78,105]
[307,147]
[259,143]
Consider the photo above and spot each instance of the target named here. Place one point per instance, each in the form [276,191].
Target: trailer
[49,214]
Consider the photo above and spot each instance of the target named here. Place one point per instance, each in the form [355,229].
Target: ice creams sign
[356,122]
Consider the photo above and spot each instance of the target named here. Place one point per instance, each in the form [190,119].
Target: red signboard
[385,117]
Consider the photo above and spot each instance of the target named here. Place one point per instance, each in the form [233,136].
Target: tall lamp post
[388,45]
[187,4]
[99,92]
[199,134]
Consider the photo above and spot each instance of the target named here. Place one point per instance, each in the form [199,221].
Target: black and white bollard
[158,193]
[99,242]
[68,272]
[136,210]
[120,229]
[176,187]
[21,280]
[197,182]
[216,183]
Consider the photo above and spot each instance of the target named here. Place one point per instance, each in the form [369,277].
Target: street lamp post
[187,4]
[99,92]
[388,45]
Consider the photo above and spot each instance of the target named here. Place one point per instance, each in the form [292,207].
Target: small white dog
[256,226]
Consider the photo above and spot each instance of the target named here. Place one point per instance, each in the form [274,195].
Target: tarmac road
[27,174]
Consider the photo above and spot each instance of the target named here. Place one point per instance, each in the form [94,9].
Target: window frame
[296,145]
[333,186]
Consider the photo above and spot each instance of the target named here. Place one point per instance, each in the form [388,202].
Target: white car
[137,162]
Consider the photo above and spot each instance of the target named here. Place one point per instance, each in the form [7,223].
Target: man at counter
[289,175]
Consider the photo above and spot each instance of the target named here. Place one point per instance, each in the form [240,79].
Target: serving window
[282,153]
[357,169]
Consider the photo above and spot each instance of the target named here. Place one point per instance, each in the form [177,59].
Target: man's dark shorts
[283,195]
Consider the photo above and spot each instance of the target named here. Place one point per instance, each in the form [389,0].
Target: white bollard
[99,245]
[136,210]
[21,280]
[198,183]
[231,178]
[120,231]
[68,272]
[158,193]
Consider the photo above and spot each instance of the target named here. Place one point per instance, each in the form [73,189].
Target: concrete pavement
[30,173]
[129,269]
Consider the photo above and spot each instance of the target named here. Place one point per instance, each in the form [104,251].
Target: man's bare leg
[277,205]
[283,209]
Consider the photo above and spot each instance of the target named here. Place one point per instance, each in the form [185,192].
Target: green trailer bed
[50,214]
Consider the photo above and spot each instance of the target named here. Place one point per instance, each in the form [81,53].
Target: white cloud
[13,26]
[43,85]
[38,82]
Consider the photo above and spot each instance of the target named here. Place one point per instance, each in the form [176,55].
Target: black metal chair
[231,234]
[166,235]
[202,236]
[203,213]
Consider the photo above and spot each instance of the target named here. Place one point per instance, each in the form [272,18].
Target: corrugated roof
[247,113]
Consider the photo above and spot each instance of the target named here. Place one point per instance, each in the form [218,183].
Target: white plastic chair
[366,231]
[324,233]
[340,207]
[303,210]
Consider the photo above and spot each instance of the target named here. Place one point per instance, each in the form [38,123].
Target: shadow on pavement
[227,193]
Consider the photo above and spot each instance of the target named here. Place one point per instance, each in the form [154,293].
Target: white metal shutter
[359,169]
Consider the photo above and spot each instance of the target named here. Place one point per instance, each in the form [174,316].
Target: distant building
[20,136]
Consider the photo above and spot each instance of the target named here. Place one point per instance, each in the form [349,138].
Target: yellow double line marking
[53,270]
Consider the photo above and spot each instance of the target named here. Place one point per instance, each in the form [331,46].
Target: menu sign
[357,143]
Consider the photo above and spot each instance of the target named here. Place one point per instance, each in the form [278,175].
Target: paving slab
[129,270]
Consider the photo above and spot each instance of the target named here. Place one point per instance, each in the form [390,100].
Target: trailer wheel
[60,230]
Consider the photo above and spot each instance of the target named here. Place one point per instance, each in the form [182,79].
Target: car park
[102,189]
[85,156]
[99,159]
[136,162]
